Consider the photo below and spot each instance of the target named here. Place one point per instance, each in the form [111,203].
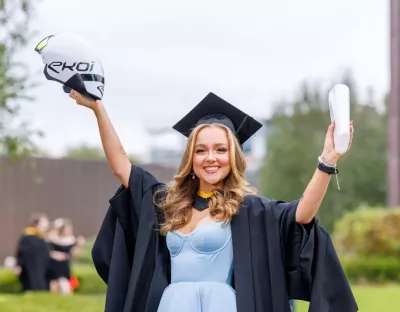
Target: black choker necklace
[201,201]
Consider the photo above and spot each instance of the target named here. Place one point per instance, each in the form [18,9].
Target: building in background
[165,146]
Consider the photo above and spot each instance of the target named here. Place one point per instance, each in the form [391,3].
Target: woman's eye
[219,150]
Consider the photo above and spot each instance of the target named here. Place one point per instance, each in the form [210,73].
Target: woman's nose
[210,157]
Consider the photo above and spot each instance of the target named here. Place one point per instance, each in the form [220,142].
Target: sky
[162,57]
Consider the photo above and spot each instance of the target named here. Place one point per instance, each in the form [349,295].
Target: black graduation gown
[275,259]
[33,256]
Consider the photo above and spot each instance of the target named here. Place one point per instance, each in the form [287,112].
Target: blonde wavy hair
[177,199]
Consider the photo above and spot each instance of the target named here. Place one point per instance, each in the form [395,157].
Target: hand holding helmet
[70,61]
[83,100]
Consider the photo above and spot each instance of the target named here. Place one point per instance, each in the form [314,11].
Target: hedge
[85,255]
[358,271]
[90,282]
[371,270]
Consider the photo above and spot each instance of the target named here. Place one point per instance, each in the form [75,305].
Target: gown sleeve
[313,269]
[116,238]
[299,246]
[104,243]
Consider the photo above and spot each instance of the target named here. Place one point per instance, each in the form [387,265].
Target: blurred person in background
[63,246]
[55,257]
[55,227]
[32,255]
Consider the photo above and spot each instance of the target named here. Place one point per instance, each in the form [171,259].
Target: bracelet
[323,160]
[328,168]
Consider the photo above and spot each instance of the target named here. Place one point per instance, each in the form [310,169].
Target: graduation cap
[212,109]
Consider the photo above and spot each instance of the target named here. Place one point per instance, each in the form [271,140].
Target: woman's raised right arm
[113,149]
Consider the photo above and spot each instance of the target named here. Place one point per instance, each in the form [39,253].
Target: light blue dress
[201,270]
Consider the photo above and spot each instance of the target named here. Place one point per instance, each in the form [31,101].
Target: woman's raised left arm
[316,188]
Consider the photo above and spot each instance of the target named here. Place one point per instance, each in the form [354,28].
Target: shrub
[8,282]
[369,232]
[368,244]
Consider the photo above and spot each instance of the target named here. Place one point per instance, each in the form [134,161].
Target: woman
[52,274]
[205,242]
[63,245]
[32,255]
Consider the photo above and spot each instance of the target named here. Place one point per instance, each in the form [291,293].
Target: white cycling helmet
[72,62]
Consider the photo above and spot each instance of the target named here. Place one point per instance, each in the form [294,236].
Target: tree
[15,137]
[85,151]
[299,128]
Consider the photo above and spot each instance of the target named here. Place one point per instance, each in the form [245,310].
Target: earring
[193,175]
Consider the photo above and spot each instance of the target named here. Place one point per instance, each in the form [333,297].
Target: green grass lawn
[51,303]
[370,299]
